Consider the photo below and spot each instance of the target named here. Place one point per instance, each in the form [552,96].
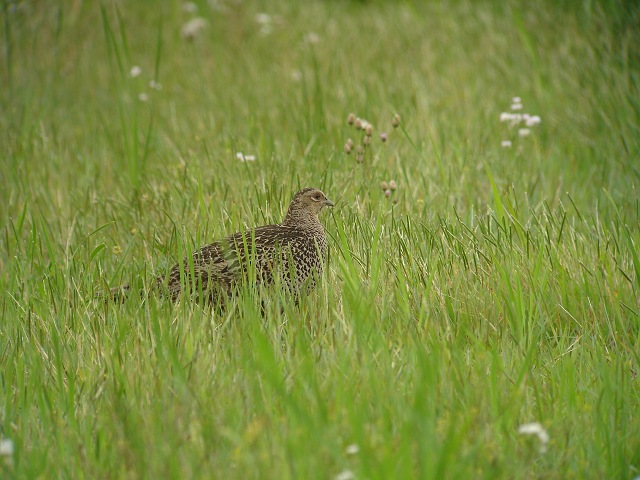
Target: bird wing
[210,269]
[259,247]
[221,264]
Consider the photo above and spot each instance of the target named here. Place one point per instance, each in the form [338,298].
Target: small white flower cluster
[537,430]
[312,38]
[6,452]
[192,28]
[189,7]
[265,22]
[352,449]
[241,157]
[345,475]
[516,119]
[135,72]
[218,6]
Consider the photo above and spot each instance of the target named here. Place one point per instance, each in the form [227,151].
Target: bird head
[308,201]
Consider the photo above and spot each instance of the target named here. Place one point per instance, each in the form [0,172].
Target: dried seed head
[359,158]
[360,150]
[383,137]
[358,123]
[396,121]
[351,118]
[368,130]
[384,186]
[350,142]
[392,185]
[347,148]
[387,193]
[366,140]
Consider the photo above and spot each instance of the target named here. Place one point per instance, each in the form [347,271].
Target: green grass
[496,287]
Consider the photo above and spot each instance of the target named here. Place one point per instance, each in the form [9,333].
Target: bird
[292,253]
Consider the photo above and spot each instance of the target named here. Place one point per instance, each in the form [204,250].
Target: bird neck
[300,217]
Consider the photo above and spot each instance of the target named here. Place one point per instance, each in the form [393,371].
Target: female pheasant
[293,253]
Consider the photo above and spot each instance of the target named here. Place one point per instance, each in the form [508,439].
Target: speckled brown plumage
[292,253]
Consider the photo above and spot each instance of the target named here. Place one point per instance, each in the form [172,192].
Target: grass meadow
[479,321]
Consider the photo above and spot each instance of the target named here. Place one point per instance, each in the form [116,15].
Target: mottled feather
[293,252]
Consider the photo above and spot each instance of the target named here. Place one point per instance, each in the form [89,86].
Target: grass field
[495,287]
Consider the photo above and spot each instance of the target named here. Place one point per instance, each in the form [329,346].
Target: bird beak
[328,203]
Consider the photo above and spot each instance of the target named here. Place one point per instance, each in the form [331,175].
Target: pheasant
[292,253]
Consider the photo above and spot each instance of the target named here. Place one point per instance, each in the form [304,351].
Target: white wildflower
[506,144]
[241,157]
[312,38]
[153,85]
[537,430]
[265,22]
[516,106]
[143,97]
[516,100]
[345,475]
[189,7]
[6,452]
[513,118]
[265,30]
[532,121]
[524,132]
[263,18]
[352,449]
[6,447]
[135,71]
[217,5]
[192,28]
